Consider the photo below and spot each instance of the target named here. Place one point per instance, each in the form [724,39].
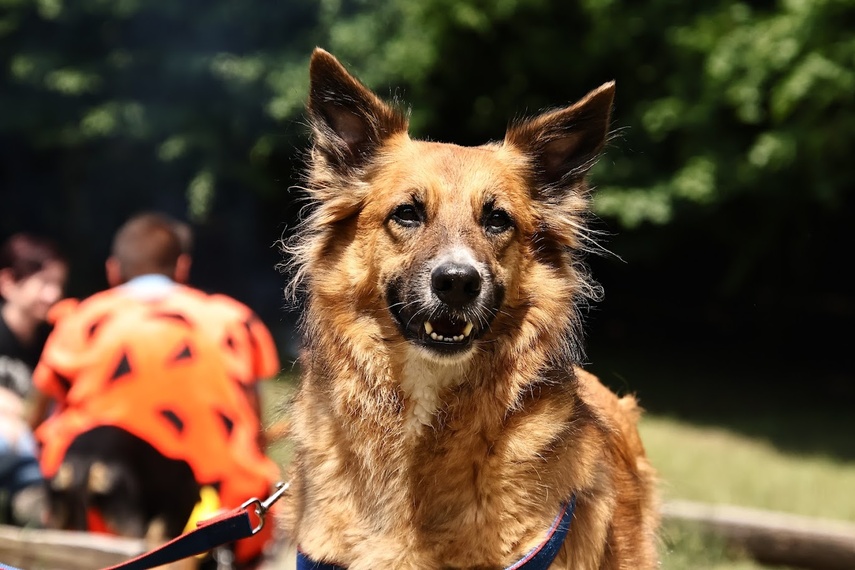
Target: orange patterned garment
[162,370]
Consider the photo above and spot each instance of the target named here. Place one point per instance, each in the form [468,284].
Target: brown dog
[442,421]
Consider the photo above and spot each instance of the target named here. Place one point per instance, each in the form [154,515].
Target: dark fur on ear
[565,143]
[349,121]
[349,124]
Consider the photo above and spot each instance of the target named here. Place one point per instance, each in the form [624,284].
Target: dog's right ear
[564,144]
[349,121]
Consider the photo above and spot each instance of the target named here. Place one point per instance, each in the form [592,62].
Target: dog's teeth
[456,338]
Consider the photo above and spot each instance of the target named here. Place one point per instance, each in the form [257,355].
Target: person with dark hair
[33,273]
[148,358]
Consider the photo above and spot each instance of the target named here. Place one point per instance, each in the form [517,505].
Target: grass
[273,396]
[688,547]
[714,465]
[736,424]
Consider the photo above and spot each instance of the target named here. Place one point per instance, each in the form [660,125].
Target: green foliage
[721,105]
[724,108]
[745,107]
[721,99]
[157,97]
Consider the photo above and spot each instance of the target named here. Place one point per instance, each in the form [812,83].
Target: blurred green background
[726,192]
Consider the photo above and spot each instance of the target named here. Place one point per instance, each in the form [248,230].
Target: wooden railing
[772,537]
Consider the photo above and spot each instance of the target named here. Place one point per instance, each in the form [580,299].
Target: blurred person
[150,415]
[245,340]
[33,273]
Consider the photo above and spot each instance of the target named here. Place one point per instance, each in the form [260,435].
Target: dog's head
[441,246]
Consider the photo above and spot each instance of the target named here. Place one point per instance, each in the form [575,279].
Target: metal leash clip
[261,507]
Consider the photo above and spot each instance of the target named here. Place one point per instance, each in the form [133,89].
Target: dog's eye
[406,215]
[497,221]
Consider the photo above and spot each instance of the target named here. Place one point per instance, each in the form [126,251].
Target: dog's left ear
[349,121]
[564,144]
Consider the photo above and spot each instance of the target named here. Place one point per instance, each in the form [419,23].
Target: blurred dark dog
[112,481]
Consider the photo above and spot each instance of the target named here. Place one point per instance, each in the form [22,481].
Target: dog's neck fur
[423,382]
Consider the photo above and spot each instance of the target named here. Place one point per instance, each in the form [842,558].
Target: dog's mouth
[448,330]
[445,333]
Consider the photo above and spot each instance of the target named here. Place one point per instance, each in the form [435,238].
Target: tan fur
[101,478]
[409,459]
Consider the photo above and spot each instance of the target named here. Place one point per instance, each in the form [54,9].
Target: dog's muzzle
[446,310]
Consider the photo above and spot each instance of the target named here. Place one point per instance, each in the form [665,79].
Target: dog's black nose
[456,284]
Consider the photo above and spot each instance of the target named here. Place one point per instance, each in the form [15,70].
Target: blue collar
[539,558]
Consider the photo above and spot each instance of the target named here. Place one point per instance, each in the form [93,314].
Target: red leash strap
[223,529]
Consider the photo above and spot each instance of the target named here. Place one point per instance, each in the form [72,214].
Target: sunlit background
[725,200]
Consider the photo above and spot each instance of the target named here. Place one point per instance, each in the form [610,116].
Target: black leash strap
[231,526]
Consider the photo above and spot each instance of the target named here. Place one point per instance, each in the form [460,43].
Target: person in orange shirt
[244,338]
[150,413]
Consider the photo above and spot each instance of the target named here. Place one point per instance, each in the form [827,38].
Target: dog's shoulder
[620,414]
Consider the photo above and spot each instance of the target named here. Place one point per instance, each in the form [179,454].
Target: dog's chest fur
[447,475]
[423,384]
